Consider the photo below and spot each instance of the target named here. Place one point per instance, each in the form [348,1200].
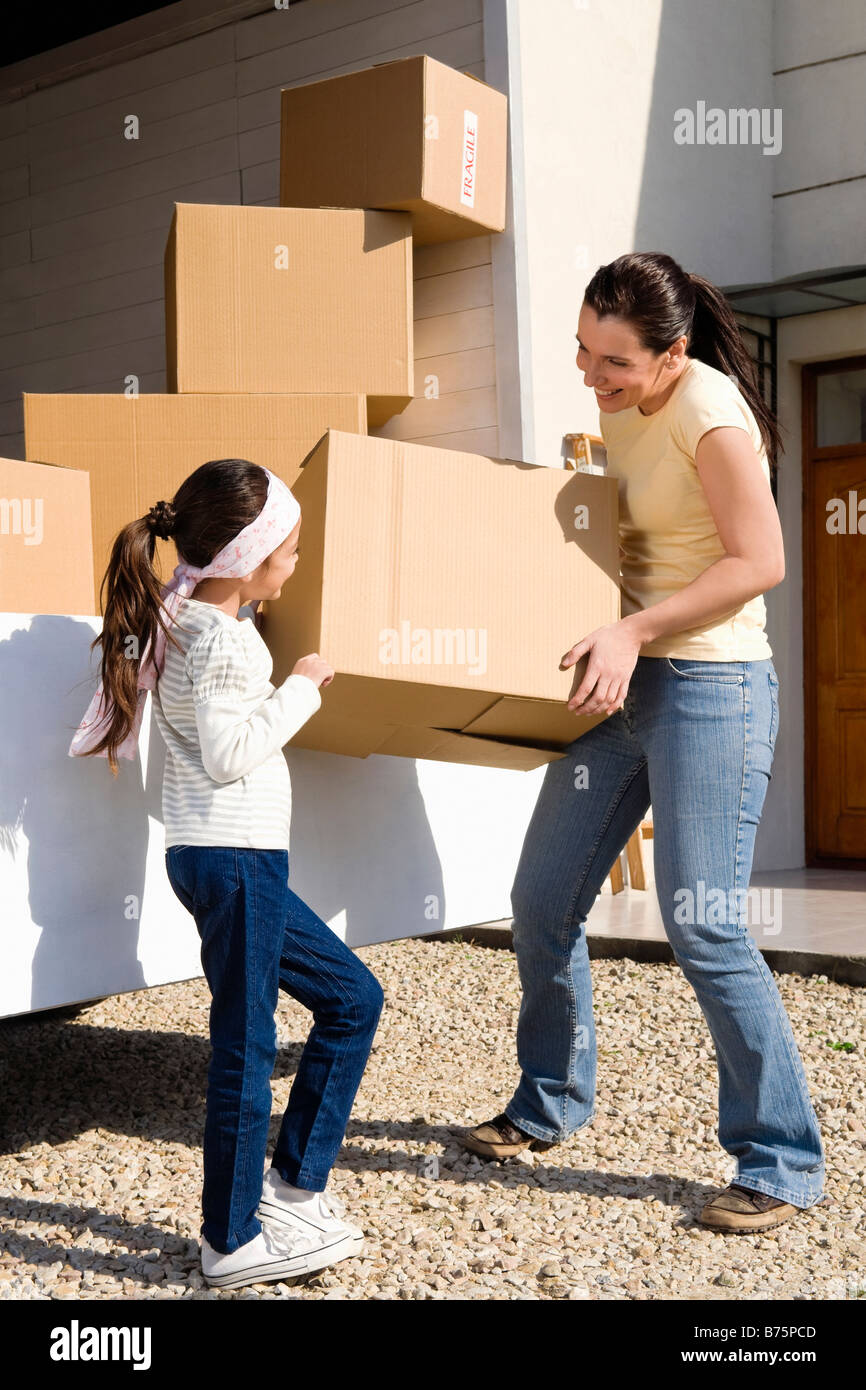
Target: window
[840,408]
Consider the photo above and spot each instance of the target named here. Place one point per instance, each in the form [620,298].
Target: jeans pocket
[773,681]
[217,877]
[176,877]
[206,875]
[719,672]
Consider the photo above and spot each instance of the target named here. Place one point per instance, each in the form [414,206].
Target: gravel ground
[100,1164]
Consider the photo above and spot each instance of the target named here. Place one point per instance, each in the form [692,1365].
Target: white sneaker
[271,1254]
[312,1213]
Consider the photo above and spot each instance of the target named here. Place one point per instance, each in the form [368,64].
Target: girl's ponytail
[129,599]
[210,507]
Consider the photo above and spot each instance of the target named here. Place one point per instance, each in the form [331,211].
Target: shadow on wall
[86,834]
[362,844]
[710,206]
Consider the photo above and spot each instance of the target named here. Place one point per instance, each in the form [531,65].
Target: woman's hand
[613,652]
[258,616]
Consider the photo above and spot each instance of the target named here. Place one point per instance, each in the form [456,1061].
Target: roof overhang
[801,294]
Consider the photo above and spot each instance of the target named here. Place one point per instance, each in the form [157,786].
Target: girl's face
[620,371]
[273,572]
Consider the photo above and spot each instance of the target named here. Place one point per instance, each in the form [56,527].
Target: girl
[688,681]
[226,807]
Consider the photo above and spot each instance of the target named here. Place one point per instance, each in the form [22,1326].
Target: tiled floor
[811,910]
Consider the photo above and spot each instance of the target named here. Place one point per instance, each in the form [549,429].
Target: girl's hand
[613,653]
[315,667]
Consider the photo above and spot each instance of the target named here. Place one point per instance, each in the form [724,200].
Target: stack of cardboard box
[442,586]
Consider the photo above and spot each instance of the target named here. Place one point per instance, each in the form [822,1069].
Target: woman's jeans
[695,739]
[258,937]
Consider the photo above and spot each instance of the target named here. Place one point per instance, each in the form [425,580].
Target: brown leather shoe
[499,1138]
[740,1209]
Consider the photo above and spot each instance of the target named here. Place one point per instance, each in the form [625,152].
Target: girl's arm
[746,519]
[233,742]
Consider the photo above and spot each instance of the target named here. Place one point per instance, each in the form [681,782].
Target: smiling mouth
[606,394]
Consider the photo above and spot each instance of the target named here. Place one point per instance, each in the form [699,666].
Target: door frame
[811,454]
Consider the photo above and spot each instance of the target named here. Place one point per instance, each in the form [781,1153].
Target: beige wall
[603,175]
[819,60]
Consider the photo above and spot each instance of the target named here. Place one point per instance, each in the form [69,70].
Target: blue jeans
[258,937]
[695,739]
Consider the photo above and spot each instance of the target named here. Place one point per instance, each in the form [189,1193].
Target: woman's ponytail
[716,340]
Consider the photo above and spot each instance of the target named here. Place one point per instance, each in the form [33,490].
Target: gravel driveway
[100,1161]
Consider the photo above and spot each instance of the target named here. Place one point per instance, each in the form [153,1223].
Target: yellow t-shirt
[666,529]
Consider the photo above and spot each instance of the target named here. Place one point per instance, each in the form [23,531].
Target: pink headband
[277,519]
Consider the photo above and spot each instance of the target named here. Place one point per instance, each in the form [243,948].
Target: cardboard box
[46,550]
[444,588]
[138,450]
[410,134]
[290,300]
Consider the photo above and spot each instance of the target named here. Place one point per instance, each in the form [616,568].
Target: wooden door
[834,610]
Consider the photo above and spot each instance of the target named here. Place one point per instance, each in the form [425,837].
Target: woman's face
[273,572]
[618,369]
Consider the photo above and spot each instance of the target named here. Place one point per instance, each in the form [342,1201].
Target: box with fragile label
[138,449]
[444,589]
[290,300]
[412,134]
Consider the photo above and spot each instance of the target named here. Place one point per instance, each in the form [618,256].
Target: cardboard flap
[358,738]
[449,746]
[532,721]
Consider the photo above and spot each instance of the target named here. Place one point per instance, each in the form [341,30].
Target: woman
[687,680]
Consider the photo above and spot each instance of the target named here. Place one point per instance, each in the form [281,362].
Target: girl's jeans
[258,937]
[695,739]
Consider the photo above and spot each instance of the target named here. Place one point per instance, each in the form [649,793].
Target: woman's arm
[746,519]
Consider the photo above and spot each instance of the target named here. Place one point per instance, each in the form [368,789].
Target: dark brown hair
[210,507]
[663,302]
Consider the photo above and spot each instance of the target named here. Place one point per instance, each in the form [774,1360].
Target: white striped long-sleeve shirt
[224,726]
